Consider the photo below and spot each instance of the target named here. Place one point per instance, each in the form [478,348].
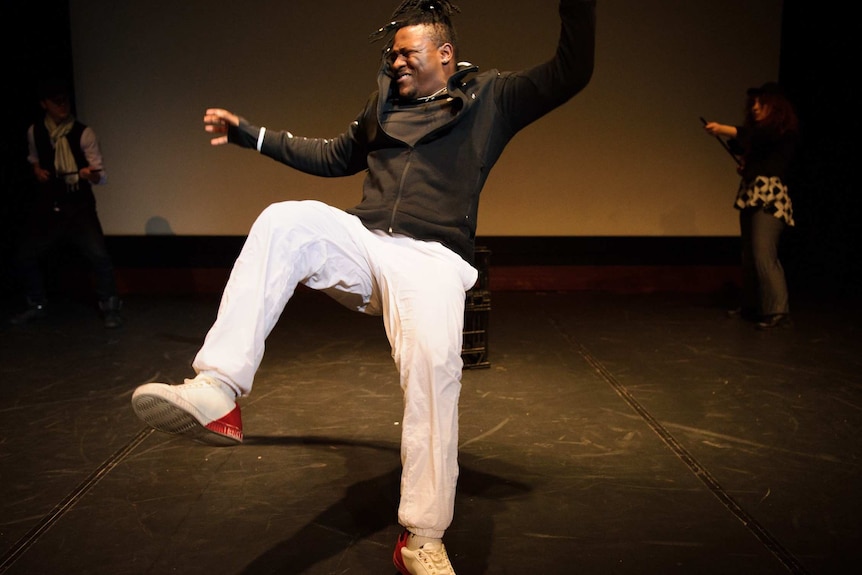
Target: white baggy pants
[418,287]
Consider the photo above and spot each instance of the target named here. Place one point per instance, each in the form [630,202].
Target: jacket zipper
[400,190]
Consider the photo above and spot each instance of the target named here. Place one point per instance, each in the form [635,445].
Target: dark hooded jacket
[430,191]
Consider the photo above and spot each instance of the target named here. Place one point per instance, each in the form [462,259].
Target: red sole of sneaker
[401,568]
[397,558]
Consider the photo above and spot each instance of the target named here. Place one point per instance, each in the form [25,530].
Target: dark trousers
[76,227]
[764,288]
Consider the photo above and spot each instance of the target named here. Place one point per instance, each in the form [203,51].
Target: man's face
[417,63]
[57,107]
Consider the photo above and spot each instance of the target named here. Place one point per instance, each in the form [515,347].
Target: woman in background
[765,145]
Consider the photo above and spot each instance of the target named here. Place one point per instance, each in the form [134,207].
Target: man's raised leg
[290,243]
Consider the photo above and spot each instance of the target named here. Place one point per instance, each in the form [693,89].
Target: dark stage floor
[611,434]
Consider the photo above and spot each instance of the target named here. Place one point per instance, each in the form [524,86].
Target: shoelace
[200,381]
[435,560]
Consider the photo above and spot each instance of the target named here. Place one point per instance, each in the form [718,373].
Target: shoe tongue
[431,546]
[418,542]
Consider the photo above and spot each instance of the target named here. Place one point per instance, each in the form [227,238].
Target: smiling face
[420,66]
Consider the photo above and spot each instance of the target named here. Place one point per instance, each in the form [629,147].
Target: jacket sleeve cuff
[246,135]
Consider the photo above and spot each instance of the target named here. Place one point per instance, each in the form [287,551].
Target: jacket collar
[455,84]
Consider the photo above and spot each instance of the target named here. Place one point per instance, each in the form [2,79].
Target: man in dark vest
[67,162]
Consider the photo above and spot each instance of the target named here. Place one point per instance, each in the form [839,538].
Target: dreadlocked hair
[434,13]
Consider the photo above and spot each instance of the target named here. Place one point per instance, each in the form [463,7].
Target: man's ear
[447,52]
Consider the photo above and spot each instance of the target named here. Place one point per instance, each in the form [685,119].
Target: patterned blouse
[767,158]
[768,193]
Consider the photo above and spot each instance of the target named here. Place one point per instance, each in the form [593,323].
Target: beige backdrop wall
[626,157]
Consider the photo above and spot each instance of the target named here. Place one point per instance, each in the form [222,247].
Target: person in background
[765,145]
[427,139]
[67,163]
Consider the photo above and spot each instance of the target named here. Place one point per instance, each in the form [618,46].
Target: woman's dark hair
[782,117]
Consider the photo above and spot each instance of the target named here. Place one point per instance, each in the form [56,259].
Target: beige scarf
[64,162]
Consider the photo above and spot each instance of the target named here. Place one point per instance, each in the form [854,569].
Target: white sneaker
[430,559]
[200,409]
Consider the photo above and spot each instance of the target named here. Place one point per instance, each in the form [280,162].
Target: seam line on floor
[25,542]
[767,539]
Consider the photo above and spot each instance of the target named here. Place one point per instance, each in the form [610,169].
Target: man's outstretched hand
[216,121]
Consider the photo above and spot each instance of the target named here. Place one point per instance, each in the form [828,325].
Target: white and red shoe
[430,559]
[200,409]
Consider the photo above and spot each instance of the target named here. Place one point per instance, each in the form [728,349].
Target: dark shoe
[741,313]
[111,312]
[33,312]
[779,320]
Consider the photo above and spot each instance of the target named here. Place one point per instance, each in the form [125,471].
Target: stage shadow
[369,506]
